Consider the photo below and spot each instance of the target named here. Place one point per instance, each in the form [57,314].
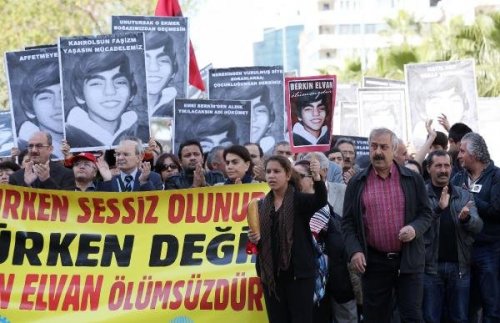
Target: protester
[448,245]
[40,172]
[135,175]
[85,168]
[7,168]
[282,148]
[348,150]
[192,174]
[167,165]
[386,213]
[215,160]
[238,165]
[481,177]
[335,155]
[455,135]
[257,155]
[286,261]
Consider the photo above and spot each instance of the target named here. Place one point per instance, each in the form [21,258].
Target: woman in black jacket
[286,262]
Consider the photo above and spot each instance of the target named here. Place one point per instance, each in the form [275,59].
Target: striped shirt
[383,203]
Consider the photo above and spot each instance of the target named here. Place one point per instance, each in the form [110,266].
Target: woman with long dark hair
[286,261]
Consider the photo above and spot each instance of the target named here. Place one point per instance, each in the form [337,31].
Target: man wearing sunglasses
[40,172]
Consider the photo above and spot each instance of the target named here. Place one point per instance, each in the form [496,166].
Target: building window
[326,29]
[346,29]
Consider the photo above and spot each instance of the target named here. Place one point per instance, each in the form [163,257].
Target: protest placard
[310,102]
[264,87]
[35,95]
[165,256]
[382,107]
[6,134]
[440,88]
[104,89]
[166,58]
[212,122]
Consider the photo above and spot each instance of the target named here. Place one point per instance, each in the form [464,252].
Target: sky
[223,36]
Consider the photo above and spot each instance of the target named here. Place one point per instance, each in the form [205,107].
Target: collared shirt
[383,203]
[121,184]
[90,188]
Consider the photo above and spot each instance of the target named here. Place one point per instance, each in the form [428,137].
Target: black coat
[418,214]
[61,178]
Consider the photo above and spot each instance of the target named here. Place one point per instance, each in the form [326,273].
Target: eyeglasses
[37,146]
[169,166]
[304,175]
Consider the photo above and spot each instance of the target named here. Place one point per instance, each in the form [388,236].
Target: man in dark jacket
[448,244]
[40,172]
[386,213]
[192,175]
[482,179]
[135,174]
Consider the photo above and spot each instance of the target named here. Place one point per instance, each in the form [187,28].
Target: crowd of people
[408,238]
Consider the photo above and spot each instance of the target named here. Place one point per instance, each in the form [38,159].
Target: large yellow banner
[164,256]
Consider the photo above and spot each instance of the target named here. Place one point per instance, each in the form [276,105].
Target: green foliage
[438,42]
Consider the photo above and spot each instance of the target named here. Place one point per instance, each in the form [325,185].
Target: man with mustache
[386,213]
[348,150]
[448,244]
[40,172]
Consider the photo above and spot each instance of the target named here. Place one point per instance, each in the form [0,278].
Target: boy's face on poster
[47,108]
[448,102]
[107,94]
[218,139]
[313,116]
[159,68]
[260,120]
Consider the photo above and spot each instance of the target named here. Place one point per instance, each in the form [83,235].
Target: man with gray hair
[348,149]
[482,178]
[215,160]
[135,175]
[386,213]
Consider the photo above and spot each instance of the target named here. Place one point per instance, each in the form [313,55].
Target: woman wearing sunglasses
[167,166]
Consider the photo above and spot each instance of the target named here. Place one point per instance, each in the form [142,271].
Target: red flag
[171,8]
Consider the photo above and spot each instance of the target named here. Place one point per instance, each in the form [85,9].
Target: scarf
[285,232]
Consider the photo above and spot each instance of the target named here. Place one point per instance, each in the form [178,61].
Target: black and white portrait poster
[104,90]
[6,134]
[212,122]
[264,87]
[35,95]
[309,104]
[447,88]
[382,107]
[349,119]
[167,58]
[345,93]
